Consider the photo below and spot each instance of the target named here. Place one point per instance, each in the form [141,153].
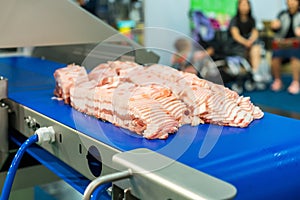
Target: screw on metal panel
[4,105]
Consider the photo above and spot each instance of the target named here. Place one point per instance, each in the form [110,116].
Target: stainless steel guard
[155,176]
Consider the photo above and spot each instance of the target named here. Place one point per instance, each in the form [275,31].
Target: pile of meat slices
[152,101]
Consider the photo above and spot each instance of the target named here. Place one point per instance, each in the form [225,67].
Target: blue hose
[101,193]
[14,166]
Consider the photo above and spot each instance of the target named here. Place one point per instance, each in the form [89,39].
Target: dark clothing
[216,45]
[234,48]
[290,33]
[245,28]
[287,20]
[288,24]
[286,53]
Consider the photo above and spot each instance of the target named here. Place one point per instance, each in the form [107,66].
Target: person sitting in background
[242,30]
[191,60]
[287,25]
[183,58]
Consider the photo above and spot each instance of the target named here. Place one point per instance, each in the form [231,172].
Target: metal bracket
[160,177]
[104,179]
[120,194]
[3,88]
[3,122]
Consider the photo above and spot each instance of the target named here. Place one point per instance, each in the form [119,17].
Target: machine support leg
[3,122]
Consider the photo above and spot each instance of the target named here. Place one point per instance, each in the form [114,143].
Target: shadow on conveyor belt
[93,54]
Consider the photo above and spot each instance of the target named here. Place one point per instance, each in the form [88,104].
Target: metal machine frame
[3,122]
[166,182]
[72,40]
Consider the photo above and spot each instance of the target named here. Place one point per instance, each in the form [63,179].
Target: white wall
[168,15]
[267,9]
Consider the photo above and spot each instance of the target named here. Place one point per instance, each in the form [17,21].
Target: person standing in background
[287,25]
[242,30]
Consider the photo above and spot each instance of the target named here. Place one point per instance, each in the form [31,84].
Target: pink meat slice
[102,74]
[152,101]
[173,106]
[147,116]
[79,94]
[204,99]
[66,78]
[126,106]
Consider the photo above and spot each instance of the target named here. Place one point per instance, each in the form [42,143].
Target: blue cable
[14,166]
[101,193]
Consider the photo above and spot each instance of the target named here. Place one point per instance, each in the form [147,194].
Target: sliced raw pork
[152,101]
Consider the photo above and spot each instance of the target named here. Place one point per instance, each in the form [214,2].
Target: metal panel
[3,122]
[68,141]
[159,177]
[3,88]
[66,31]
[49,22]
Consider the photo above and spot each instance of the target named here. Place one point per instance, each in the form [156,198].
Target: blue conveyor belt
[262,161]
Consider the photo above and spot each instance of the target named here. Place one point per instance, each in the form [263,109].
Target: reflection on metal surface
[153,178]
[48,22]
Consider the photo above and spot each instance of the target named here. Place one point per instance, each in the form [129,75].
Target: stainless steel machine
[57,33]
[203,162]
